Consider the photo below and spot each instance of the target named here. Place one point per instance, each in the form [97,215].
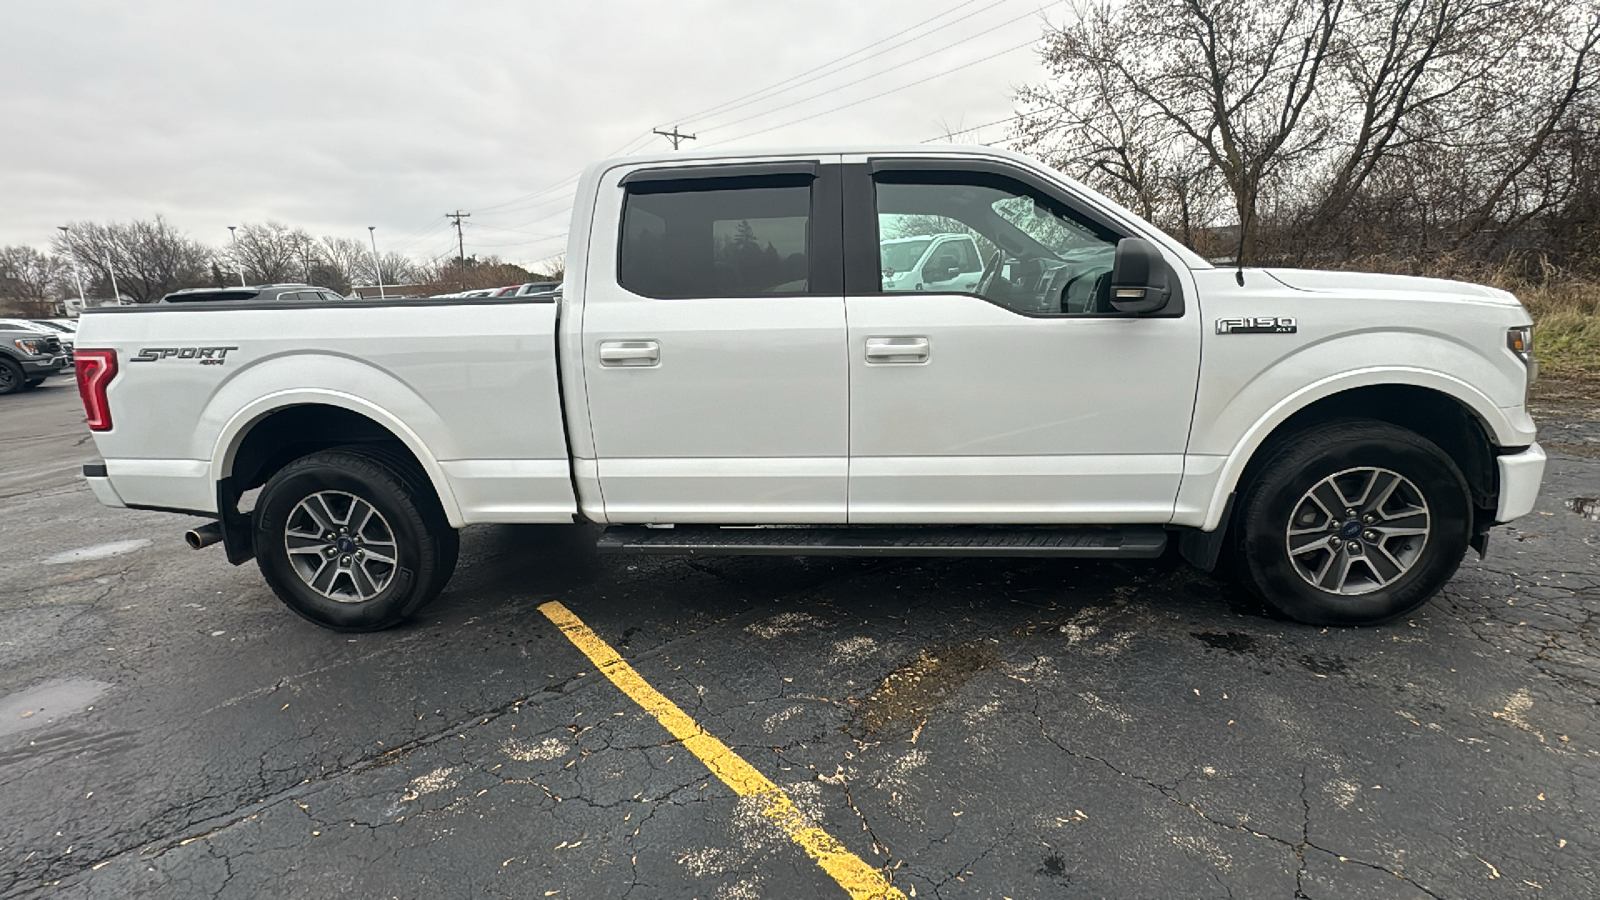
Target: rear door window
[717,238]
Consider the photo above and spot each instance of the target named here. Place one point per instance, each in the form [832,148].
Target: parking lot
[966,728]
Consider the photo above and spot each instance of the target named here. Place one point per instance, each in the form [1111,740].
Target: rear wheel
[1353,523]
[12,378]
[350,541]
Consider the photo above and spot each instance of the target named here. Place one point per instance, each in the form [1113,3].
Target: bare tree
[1334,127]
[1233,80]
[552,269]
[151,257]
[270,253]
[29,281]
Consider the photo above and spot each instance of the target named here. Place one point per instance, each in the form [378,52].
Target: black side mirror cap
[1141,282]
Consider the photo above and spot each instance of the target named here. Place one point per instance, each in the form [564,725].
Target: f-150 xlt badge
[1258,325]
[206,356]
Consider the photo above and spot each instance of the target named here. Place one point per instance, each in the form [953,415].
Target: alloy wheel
[341,546]
[1358,531]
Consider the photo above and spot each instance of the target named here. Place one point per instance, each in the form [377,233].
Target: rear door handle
[904,350]
[630,353]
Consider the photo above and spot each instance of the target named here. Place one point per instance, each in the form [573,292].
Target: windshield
[903,255]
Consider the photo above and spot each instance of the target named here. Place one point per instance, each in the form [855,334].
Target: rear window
[695,239]
[209,296]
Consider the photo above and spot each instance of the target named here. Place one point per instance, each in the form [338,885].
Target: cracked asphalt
[976,728]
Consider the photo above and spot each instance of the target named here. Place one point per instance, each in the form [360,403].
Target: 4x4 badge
[1258,325]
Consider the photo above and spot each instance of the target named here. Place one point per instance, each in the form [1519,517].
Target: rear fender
[232,435]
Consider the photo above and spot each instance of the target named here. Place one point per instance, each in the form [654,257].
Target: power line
[952,45]
[777,88]
[629,146]
[950,134]
[896,90]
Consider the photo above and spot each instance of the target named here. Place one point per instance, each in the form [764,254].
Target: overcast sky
[333,116]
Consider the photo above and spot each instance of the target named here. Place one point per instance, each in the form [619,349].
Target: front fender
[1508,427]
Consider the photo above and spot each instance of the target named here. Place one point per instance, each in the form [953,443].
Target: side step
[1127,542]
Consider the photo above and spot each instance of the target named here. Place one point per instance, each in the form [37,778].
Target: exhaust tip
[204,536]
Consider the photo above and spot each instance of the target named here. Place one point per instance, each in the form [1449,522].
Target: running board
[1127,542]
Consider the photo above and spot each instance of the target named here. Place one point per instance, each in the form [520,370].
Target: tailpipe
[204,536]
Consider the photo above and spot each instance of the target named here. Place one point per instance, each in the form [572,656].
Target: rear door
[1019,395]
[714,344]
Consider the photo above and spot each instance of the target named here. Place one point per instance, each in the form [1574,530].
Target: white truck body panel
[1017,419]
[476,401]
[742,415]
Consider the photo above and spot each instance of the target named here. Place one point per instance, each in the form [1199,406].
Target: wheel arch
[267,434]
[1465,424]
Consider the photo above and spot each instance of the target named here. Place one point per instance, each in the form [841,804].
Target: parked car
[65,329]
[538,287]
[262,293]
[28,355]
[730,358]
[932,262]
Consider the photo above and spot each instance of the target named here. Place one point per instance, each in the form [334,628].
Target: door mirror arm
[1141,281]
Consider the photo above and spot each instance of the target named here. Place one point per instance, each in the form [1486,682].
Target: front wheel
[348,541]
[12,378]
[1353,523]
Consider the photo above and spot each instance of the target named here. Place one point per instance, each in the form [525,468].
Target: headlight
[30,346]
[1519,341]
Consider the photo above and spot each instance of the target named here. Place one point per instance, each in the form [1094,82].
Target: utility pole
[461,247]
[236,261]
[66,238]
[674,136]
[377,263]
[116,293]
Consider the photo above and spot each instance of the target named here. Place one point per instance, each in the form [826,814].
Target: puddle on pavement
[98,551]
[1234,642]
[904,698]
[47,703]
[1588,507]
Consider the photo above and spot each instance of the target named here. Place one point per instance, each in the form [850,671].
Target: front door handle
[630,353]
[904,350]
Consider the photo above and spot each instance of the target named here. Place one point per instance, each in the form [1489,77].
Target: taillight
[95,369]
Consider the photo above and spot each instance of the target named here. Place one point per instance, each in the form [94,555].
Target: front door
[1024,398]
[714,345]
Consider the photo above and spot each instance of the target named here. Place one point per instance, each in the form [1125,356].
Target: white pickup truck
[726,372]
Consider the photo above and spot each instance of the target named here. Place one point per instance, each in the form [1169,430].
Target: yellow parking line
[859,880]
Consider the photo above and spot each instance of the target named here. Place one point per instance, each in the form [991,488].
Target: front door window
[995,238]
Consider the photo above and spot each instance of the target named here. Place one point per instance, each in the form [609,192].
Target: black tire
[12,378]
[409,518]
[1388,572]
[32,383]
[421,489]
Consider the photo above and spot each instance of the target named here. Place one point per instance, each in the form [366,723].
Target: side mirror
[1140,279]
[939,273]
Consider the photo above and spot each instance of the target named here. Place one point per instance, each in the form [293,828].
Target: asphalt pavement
[964,728]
